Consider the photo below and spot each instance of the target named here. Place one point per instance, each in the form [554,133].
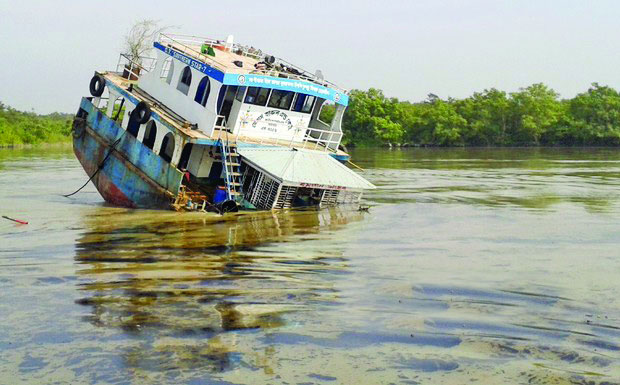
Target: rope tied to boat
[110,151]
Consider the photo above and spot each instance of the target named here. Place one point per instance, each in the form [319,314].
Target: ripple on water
[503,263]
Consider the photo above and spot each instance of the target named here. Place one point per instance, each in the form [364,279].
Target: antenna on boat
[319,75]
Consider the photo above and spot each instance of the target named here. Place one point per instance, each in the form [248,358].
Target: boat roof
[303,168]
[222,66]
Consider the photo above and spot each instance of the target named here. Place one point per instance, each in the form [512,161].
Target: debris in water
[15,220]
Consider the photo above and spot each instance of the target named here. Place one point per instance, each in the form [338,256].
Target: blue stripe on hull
[133,176]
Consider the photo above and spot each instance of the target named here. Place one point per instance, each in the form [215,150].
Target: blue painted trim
[341,158]
[204,141]
[195,64]
[252,80]
[293,85]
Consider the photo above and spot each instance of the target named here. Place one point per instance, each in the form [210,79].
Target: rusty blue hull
[132,175]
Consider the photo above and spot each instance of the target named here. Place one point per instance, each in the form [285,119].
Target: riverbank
[19,128]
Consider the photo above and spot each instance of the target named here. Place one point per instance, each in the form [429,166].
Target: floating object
[15,220]
[220,195]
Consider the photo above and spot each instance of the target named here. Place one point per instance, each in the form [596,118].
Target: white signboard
[272,123]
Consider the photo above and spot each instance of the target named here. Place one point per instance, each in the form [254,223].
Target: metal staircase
[232,170]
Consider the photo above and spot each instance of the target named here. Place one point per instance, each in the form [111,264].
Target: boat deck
[227,54]
[223,60]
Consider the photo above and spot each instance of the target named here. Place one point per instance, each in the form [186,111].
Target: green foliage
[533,116]
[370,119]
[327,113]
[17,127]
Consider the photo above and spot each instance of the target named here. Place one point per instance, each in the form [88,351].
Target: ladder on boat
[232,170]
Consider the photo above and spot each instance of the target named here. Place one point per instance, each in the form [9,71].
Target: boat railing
[220,123]
[186,44]
[314,139]
[183,42]
[132,68]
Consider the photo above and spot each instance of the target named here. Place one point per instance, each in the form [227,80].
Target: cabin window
[308,104]
[281,99]
[167,147]
[225,99]
[185,80]
[150,134]
[240,93]
[184,160]
[170,72]
[133,127]
[202,93]
[304,103]
[257,95]
[118,111]
[166,70]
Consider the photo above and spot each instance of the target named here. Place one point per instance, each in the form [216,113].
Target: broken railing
[132,68]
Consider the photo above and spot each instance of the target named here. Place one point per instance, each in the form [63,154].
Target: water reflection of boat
[195,278]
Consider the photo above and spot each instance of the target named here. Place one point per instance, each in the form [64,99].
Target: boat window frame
[206,91]
[301,108]
[258,94]
[167,69]
[185,80]
[150,127]
[240,92]
[281,92]
[165,143]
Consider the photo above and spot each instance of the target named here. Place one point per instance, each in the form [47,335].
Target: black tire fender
[142,113]
[228,206]
[97,85]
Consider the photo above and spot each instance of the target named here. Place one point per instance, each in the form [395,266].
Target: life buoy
[97,84]
[142,113]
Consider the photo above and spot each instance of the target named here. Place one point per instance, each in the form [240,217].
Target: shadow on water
[188,280]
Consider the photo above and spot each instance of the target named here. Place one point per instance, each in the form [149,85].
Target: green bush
[17,127]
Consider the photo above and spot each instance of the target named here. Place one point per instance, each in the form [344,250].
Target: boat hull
[131,174]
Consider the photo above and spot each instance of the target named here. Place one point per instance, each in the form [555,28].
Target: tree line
[533,116]
[18,127]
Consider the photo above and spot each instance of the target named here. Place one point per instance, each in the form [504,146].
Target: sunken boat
[207,125]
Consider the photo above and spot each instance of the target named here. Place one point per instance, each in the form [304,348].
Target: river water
[471,266]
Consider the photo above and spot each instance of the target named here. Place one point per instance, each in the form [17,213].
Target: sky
[452,48]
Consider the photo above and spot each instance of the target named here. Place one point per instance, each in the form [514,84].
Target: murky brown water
[481,266]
